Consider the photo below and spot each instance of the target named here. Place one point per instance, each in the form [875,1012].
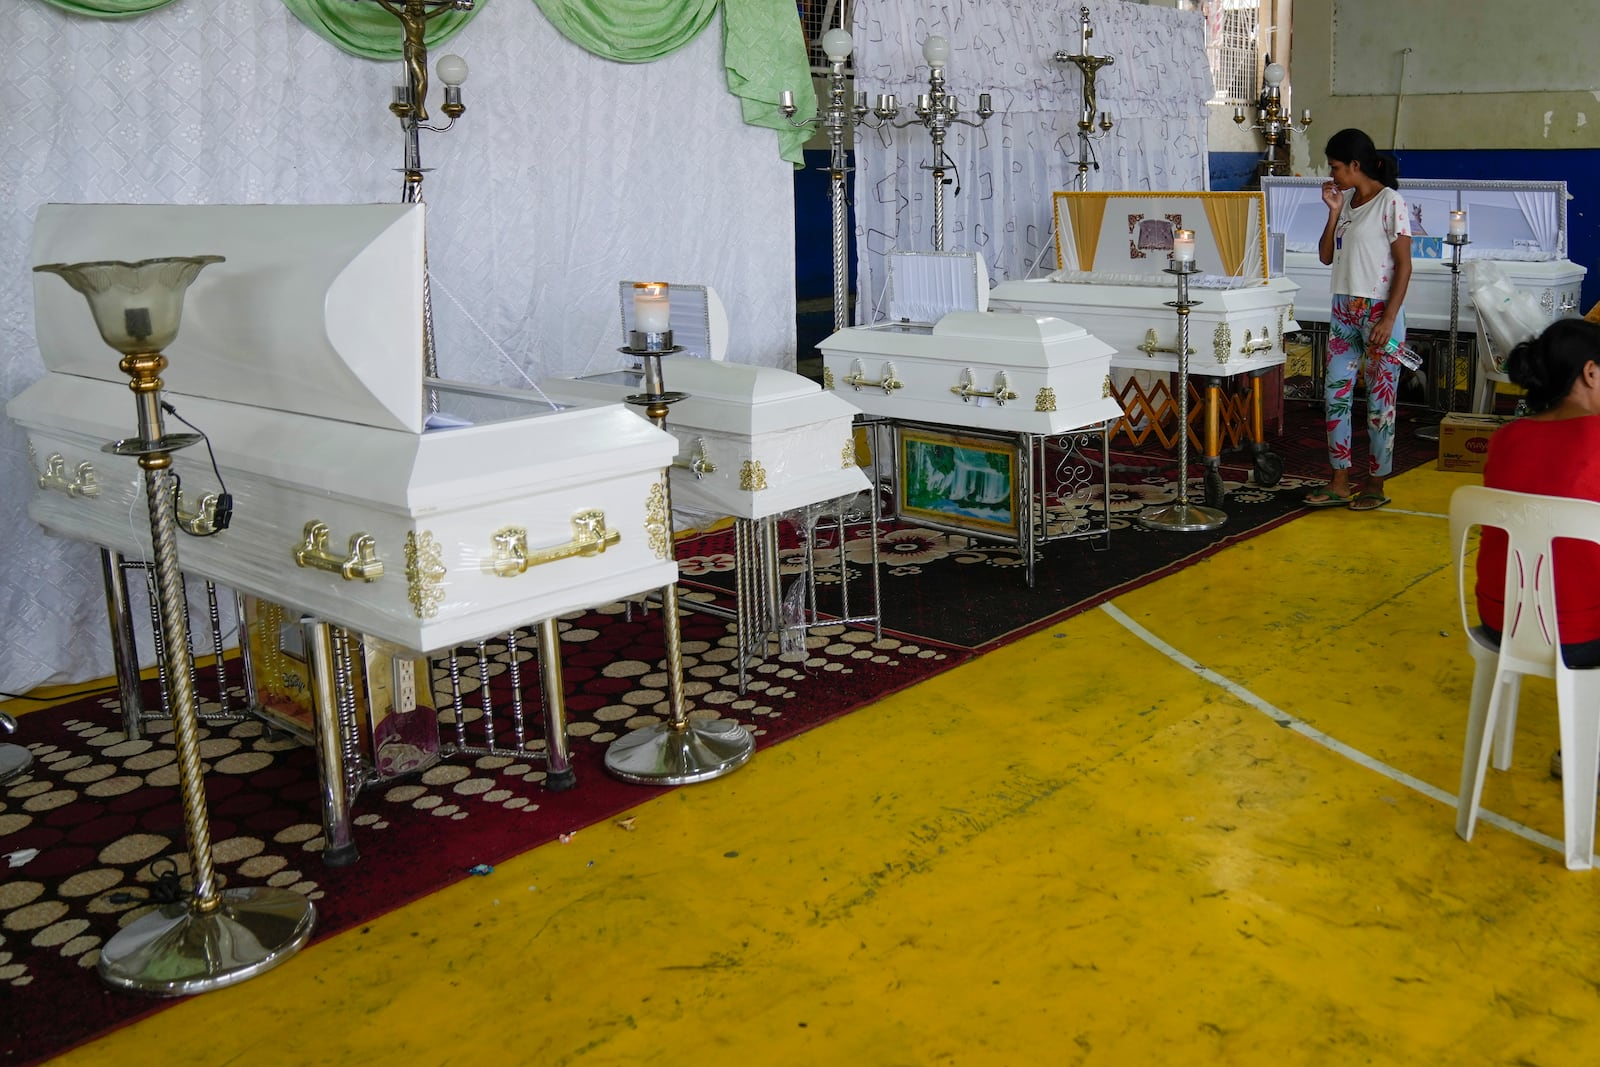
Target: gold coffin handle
[1260,344]
[202,522]
[83,482]
[362,562]
[1151,345]
[589,538]
[967,389]
[857,378]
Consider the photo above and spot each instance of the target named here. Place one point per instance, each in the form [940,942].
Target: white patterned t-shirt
[1363,256]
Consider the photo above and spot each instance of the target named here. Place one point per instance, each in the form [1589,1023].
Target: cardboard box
[1464,440]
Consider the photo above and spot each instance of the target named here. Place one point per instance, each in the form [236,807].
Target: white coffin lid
[1020,340]
[926,286]
[733,398]
[317,309]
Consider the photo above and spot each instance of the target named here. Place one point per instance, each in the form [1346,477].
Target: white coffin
[1520,225]
[752,441]
[1231,331]
[1052,376]
[300,357]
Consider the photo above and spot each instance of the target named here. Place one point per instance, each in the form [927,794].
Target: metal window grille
[817,17]
[1233,29]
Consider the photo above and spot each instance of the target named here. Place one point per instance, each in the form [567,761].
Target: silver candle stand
[681,750]
[1183,517]
[1447,381]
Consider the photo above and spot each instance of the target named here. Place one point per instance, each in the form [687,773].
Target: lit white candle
[1183,247]
[651,307]
[1458,224]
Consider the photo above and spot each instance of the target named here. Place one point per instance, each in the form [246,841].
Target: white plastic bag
[1507,315]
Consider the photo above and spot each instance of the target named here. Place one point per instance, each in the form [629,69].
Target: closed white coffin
[1521,225]
[1231,331]
[1556,284]
[300,357]
[1049,375]
[752,441]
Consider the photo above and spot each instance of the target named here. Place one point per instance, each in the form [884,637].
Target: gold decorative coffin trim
[827,377]
[1222,343]
[752,476]
[425,573]
[657,526]
[1044,399]
[847,455]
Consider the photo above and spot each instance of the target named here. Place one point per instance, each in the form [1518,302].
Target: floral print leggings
[1353,319]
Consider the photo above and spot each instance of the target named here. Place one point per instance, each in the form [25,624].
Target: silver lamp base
[177,949]
[1182,518]
[15,761]
[661,755]
[1428,433]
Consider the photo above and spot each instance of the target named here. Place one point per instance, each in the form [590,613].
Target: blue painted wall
[813,228]
[1578,167]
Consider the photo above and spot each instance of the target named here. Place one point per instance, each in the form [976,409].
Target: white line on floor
[1306,730]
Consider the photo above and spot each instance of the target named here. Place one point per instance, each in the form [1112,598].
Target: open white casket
[1522,225]
[1113,250]
[752,441]
[301,357]
[942,358]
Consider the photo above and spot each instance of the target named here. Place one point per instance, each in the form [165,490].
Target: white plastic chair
[1491,362]
[1529,645]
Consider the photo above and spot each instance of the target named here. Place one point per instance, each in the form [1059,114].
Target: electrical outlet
[405,684]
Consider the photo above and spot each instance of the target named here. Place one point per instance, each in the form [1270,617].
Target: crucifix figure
[414,16]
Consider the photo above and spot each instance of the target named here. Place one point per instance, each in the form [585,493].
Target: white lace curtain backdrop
[567,173]
[1008,169]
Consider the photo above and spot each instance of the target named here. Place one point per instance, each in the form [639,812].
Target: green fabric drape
[764,51]
[763,48]
[109,9]
[629,31]
[367,30]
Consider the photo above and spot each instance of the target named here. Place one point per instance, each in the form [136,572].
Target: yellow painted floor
[1076,849]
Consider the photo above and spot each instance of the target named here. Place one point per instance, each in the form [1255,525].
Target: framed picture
[962,480]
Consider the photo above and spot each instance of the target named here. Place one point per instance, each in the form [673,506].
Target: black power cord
[224,512]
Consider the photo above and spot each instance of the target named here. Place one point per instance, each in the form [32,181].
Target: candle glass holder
[1183,517]
[213,938]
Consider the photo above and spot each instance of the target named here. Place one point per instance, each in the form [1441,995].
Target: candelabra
[213,938]
[680,750]
[1088,66]
[1457,239]
[938,111]
[1183,517]
[410,106]
[1273,122]
[835,119]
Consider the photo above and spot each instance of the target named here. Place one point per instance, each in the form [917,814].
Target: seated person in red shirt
[1553,452]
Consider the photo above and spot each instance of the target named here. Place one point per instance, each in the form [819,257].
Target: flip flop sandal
[1368,501]
[1323,498]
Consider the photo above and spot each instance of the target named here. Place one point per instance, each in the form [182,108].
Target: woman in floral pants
[1368,243]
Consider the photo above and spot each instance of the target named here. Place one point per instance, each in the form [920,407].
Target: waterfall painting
[967,481]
